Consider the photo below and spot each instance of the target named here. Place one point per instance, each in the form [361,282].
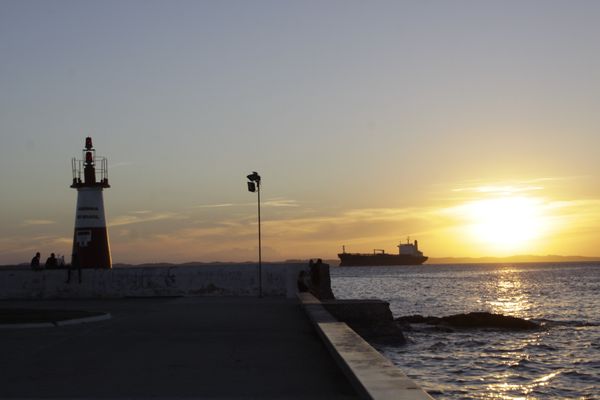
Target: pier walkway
[188,347]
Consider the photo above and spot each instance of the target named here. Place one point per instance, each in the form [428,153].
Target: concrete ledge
[199,280]
[65,322]
[372,375]
[25,326]
[85,320]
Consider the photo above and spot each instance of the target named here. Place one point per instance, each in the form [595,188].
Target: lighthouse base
[91,248]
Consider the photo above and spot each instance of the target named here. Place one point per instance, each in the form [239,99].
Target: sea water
[561,360]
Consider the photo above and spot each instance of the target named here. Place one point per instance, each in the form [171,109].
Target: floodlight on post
[254,186]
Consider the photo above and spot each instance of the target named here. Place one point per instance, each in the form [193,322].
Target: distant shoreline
[511,259]
[493,260]
[335,262]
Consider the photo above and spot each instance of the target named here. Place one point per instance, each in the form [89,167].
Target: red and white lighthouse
[90,241]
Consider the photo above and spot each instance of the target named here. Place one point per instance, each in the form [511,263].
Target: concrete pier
[192,347]
[190,332]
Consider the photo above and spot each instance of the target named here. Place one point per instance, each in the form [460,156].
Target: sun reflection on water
[508,295]
[502,390]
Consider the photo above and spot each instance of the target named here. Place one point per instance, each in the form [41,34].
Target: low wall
[372,375]
[201,280]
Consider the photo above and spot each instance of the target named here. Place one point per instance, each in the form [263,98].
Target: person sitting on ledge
[35,261]
[51,262]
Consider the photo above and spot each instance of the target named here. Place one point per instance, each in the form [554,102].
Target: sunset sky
[471,126]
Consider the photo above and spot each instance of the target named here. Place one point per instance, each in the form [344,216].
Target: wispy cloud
[220,205]
[280,202]
[495,189]
[374,214]
[33,222]
[273,202]
[291,235]
[17,249]
[137,217]
[579,212]
[513,186]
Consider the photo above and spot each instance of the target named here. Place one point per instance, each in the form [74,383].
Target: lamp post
[254,186]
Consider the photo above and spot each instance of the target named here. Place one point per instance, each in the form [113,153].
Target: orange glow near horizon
[495,223]
[491,220]
[505,224]
[501,220]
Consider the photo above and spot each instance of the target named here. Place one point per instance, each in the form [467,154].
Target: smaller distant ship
[408,254]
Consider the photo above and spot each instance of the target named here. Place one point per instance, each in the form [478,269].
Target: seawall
[373,376]
[202,280]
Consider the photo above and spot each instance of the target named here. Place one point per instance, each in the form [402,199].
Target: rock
[418,319]
[473,320]
[488,320]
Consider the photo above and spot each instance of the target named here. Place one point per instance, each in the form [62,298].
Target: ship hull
[369,260]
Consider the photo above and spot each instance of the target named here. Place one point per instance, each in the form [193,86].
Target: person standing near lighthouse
[91,247]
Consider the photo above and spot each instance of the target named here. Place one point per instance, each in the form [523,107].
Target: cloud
[374,214]
[506,189]
[513,186]
[34,222]
[584,212]
[221,205]
[273,202]
[289,236]
[361,224]
[18,249]
[503,187]
[137,217]
[280,202]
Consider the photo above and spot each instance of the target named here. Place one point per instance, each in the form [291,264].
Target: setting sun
[505,223]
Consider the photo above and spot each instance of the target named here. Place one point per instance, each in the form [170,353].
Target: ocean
[559,361]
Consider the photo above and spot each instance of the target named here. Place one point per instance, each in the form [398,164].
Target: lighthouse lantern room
[91,248]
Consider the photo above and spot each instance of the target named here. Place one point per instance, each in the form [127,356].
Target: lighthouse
[90,240]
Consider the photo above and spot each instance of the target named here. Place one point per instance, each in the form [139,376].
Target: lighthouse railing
[100,169]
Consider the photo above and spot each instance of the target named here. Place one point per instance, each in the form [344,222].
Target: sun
[505,223]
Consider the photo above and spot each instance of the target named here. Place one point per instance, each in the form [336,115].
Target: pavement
[202,347]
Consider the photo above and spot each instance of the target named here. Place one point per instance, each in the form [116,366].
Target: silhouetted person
[35,261]
[51,262]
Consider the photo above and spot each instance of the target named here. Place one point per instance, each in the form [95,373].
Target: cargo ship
[408,254]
